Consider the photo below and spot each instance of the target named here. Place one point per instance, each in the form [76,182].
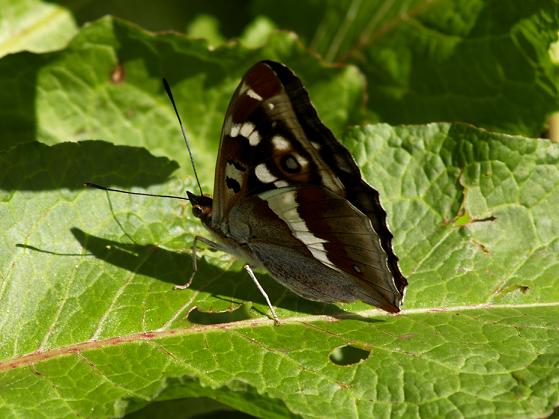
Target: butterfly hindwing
[340,237]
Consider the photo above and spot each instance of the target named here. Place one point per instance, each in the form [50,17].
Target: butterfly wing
[341,258]
[272,142]
[263,144]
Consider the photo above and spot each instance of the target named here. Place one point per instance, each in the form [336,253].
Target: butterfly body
[289,197]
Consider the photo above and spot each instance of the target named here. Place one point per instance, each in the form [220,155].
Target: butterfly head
[201,206]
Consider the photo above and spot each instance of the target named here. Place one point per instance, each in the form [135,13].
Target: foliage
[90,324]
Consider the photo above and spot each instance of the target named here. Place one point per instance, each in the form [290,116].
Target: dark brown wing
[272,138]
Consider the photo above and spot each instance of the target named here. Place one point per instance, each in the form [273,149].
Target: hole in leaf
[348,355]
[516,288]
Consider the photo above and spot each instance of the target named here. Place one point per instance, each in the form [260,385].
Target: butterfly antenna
[170,94]
[104,188]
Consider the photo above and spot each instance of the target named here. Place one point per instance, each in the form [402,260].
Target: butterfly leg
[210,244]
[253,277]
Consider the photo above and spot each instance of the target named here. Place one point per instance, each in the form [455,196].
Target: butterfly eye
[290,164]
[197,211]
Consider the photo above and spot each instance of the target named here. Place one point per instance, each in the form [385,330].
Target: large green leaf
[477,61]
[91,326]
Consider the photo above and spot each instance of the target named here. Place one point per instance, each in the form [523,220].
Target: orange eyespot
[293,166]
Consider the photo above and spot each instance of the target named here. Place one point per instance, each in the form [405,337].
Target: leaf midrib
[33,358]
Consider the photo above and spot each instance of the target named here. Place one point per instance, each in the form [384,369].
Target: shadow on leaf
[174,267]
[35,166]
[241,312]
[18,97]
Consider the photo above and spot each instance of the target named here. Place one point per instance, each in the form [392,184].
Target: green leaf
[89,309]
[91,325]
[457,62]
[34,25]
[472,61]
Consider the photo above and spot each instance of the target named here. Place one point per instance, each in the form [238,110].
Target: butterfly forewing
[263,145]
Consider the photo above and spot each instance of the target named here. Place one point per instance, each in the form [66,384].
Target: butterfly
[289,198]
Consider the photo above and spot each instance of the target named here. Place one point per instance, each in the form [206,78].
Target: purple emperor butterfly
[289,197]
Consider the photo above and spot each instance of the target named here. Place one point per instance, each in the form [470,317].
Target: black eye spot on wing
[232,184]
[290,164]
